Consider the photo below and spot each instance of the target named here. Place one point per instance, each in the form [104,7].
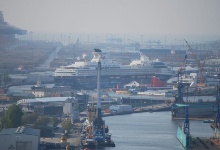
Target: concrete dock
[202,143]
[73,140]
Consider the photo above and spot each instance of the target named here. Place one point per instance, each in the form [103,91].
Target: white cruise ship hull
[83,74]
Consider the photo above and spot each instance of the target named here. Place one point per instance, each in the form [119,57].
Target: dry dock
[201,143]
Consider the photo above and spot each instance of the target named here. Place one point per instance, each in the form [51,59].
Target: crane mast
[200,66]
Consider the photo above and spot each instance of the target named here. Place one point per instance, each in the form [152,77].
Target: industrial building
[71,108]
[121,108]
[20,138]
[52,106]
[52,92]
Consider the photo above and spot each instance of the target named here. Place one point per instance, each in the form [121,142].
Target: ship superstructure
[186,79]
[113,72]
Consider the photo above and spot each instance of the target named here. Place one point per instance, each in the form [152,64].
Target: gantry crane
[134,44]
[200,66]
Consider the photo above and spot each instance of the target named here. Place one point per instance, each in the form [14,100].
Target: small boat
[108,141]
[151,111]
[208,121]
[89,143]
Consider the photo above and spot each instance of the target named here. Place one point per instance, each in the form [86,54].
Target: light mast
[101,135]
[98,122]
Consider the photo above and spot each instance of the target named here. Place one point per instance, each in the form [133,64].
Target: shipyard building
[20,138]
[55,106]
[121,108]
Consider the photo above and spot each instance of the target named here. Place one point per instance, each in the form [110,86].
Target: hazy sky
[147,17]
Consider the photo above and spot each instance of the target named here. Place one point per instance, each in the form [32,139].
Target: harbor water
[151,131]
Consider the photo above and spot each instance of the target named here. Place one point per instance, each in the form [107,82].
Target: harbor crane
[134,44]
[153,44]
[200,66]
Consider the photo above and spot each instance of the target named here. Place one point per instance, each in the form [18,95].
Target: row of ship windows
[65,74]
[111,72]
[94,72]
[104,73]
[104,67]
[160,66]
[129,69]
[115,66]
[125,70]
[66,70]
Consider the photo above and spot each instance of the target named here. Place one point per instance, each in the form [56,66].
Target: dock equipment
[200,66]
[183,133]
[216,124]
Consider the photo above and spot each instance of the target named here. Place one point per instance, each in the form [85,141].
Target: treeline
[14,117]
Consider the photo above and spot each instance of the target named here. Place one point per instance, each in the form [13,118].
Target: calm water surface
[150,131]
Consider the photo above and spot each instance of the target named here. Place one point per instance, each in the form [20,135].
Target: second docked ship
[82,74]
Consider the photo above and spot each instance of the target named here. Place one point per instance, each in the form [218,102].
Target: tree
[67,125]
[55,121]
[4,77]
[42,120]
[12,117]
[29,118]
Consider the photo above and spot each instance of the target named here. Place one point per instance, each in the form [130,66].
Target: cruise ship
[83,74]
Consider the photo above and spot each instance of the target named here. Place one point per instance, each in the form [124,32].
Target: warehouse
[121,108]
[20,138]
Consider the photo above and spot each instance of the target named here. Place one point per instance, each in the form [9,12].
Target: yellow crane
[200,66]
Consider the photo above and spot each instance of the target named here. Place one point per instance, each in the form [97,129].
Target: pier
[203,143]
[73,139]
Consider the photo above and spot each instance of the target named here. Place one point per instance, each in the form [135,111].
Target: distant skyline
[151,18]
